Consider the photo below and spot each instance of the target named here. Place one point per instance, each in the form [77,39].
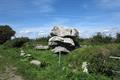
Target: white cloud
[42,34]
[25,31]
[108,3]
[44,5]
[85,32]
[22,6]
[33,32]
[106,30]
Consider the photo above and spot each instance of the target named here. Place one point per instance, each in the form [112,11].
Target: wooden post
[59,58]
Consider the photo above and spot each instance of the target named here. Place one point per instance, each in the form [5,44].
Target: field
[70,67]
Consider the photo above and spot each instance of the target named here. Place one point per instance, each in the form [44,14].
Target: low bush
[17,42]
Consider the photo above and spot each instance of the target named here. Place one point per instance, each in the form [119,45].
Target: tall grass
[70,68]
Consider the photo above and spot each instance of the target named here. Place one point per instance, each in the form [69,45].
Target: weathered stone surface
[0,56]
[84,67]
[62,32]
[22,53]
[62,40]
[60,49]
[53,44]
[41,47]
[35,62]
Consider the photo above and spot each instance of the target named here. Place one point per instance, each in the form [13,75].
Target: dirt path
[9,74]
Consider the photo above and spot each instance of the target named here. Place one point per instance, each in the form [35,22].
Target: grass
[52,71]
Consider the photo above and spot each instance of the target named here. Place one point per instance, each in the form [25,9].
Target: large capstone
[63,40]
[62,32]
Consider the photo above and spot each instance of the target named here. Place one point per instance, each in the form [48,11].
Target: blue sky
[35,18]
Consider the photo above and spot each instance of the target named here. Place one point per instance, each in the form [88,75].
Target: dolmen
[63,40]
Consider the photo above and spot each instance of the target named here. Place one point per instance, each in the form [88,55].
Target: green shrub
[99,65]
[117,38]
[42,40]
[6,32]
[8,44]
[29,44]
[18,42]
[101,38]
